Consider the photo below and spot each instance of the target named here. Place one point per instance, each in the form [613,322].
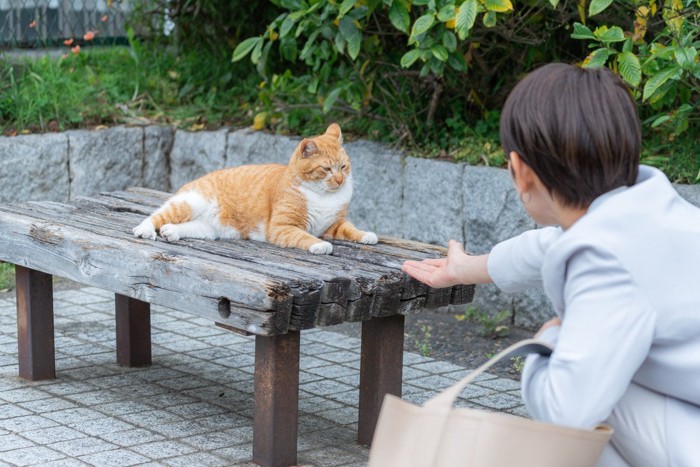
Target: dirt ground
[444,336]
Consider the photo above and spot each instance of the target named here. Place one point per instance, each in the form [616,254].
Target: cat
[287,205]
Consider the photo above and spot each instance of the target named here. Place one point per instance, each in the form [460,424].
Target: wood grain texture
[253,286]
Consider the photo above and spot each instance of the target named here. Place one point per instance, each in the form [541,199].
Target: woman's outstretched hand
[457,268]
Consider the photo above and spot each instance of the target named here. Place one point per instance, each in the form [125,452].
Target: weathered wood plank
[151,273]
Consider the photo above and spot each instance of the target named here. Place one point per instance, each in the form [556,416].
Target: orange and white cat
[288,205]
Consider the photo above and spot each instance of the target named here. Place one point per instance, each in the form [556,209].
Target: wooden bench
[242,286]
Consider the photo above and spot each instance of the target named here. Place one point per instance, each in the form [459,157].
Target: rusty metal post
[133,320]
[35,333]
[381,370]
[276,400]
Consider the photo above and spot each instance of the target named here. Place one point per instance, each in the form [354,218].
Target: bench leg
[133,331]
[381,370]
[276,400]
[35,333]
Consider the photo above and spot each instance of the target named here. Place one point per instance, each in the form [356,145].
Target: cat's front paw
[170,232]
[369,238]
[145,229]
[321,248]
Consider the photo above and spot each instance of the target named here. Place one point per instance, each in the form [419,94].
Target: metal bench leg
[133,331]
[381,370]
[276,400]
[35,333]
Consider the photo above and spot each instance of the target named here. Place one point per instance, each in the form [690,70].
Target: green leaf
[287,26]
[597,58]
[330,99]
[685,56]
[500,6]
[457,61]
[446,13]
[449,40]
[398,15]
[422,24]
[257,52]
[345,7]
[598,6]
[352,35]
[465,18]
[410,57]
[614,34]
[490,19]
[630,68]
[582,32]
[439,52]
[659,121]
[659,79]
[245,47]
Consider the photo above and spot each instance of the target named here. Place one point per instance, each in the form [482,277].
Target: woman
[621,266]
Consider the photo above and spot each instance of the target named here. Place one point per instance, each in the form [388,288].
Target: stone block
[433,201]
[34,167]
[105,160]
[257,147]
[196,154]
[157,144]
[377,173]
[691,193]
[531,309]
[492,210]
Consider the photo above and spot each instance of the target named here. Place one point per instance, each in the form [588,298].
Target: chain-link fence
[40,23]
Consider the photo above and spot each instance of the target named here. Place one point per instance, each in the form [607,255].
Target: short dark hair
[577,128]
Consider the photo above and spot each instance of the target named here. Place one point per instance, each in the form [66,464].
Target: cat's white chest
[323,207]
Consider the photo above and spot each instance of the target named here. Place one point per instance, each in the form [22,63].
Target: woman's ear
[522,173]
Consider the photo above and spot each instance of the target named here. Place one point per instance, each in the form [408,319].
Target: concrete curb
[420,199]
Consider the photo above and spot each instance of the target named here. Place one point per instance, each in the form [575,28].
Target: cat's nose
[338,178]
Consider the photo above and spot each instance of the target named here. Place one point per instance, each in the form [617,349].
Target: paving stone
[500,384]
[23,394]
[115,458]
[82,446]
[12,441]
[343,415]
[196,410]
[73,415]
[163,449]
[11,410]
[127,438]
[31,456]
[181,429]
[328,457]
[499,401]
[29,422]
[217,440]
[325,387]
[52,435]
[200,458]
[437,366]
[100,426]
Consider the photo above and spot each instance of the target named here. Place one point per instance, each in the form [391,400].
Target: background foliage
[428,75]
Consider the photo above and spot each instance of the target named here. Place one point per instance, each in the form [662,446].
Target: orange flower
[32,24]
[104,19]
[68,42]
[76,49]
[90,35]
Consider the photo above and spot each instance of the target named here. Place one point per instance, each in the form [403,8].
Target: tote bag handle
[445,399]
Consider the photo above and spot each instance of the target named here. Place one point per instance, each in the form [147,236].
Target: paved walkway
[193,406]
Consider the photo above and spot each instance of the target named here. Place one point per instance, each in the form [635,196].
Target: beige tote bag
[438,435]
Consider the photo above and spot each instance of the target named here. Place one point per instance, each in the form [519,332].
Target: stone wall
[419,199]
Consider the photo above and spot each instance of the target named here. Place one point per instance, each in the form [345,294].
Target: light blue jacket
[625,279]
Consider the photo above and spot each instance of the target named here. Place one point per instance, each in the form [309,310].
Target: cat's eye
[343,167]
[327,169]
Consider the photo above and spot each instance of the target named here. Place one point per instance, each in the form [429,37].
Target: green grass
[7,276]
[152,85]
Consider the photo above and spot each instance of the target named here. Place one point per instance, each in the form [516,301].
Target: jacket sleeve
[606,334]
[516,264]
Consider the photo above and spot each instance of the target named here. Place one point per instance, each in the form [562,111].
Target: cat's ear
[307,148]
[334,130]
